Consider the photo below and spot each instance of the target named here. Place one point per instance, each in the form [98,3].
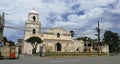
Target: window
[89,45]
[77,49]
[34,18]
[58,35]
[34,31]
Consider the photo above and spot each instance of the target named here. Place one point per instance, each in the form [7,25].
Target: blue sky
[79,15]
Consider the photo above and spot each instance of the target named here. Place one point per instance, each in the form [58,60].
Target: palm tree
[34,41]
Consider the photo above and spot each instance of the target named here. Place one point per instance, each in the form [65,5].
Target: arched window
[89,45]
[77,49]
[34,31]
[58,35]
[34,18]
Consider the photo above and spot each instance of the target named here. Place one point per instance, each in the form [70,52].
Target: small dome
[33,11]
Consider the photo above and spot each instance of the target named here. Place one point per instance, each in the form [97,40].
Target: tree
[72,33]
[81,38]
[86,39]
[34,41]
[112,40]
[5,40]
[11,43]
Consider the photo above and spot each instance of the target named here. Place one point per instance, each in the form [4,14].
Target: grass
[74,54]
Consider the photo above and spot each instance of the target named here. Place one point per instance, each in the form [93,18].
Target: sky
[81,16]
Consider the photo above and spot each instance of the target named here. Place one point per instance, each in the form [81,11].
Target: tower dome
[33,11]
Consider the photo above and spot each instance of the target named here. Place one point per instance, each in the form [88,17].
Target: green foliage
[86,39]
[81,38]
[74,53]
[112,39]
[72,33]
[5,39]
[34,41]
[11,43]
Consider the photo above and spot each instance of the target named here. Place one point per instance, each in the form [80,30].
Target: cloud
[78,14]
[115,7]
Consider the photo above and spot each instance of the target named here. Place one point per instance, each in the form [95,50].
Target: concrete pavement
[64,60]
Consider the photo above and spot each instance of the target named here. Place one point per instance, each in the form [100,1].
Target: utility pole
[98,30]
[2,20]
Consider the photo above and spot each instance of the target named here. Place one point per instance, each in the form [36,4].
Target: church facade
[54,40]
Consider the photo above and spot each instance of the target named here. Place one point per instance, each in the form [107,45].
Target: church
[54,40]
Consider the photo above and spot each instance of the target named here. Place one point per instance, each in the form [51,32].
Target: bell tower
[33,16]
[32,25]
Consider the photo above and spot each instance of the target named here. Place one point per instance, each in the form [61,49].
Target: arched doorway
[58,47]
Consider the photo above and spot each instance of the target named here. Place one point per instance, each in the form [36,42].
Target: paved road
[80,60]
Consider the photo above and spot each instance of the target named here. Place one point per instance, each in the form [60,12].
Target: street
[64,60]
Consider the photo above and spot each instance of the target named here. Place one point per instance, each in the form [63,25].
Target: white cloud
[93,10]
[95,13]
[116,9]
[90,4]
[106,25]
[64,23]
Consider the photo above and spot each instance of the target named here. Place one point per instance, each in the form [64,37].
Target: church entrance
[58,47]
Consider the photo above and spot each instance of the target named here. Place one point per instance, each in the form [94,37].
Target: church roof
[56,30]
